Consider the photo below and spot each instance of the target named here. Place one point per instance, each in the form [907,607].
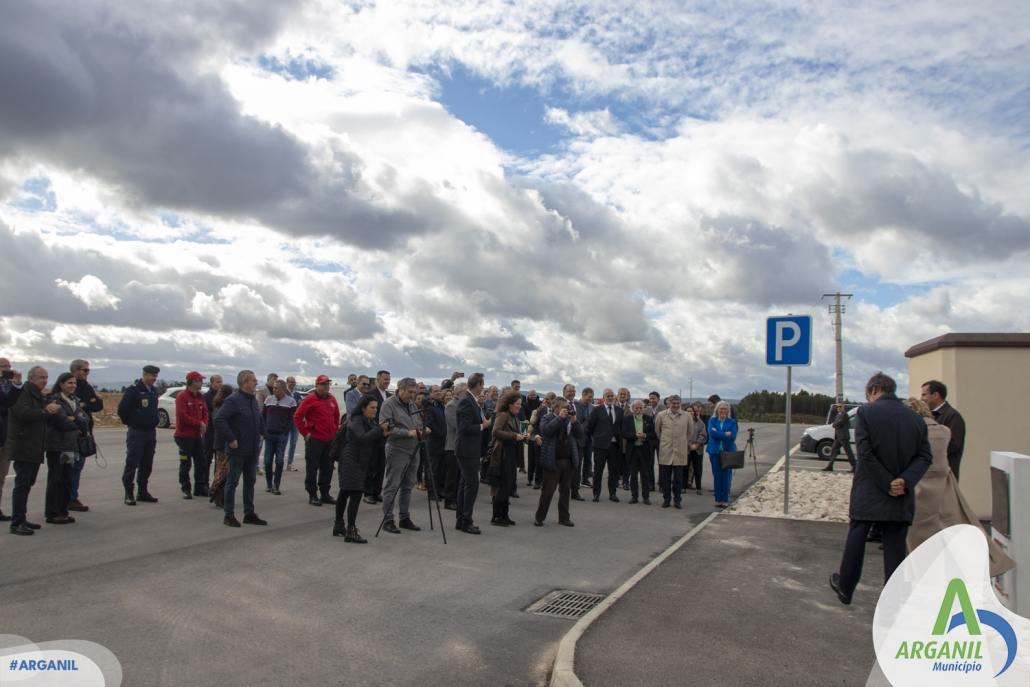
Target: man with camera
[405,430]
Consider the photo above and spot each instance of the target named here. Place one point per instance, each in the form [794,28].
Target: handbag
[87,445]
[731,460]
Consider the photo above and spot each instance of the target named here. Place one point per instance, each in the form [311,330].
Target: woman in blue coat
[722,436]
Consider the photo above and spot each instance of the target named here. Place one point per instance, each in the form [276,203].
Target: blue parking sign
[788,340]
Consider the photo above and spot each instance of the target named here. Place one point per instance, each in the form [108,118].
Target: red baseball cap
[323,379]
[194,376]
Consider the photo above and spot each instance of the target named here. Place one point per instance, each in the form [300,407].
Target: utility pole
[837,309]
[690,380]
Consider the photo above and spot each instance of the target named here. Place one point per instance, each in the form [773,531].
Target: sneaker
[22,530]
[74,505]
[328,500]
[388,526]
[231,521]
[253,519]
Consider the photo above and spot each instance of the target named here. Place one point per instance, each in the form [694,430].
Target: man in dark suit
[841,437]
[893,454]
[584,407]
[374,476]
[468,446]
[933,395]
[638,431]
[605,429]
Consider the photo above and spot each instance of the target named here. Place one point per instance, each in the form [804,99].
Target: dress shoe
[275,490]
[328,500]
[313,500]
[471,529]
[186,494]
[73,505]
[390,527]
[700,492]
[340,529]
[665,504]
[634,500]
[231,521]
[59,520]
[647,502]
[354,537]
[370,500]
[201,491]
[22,529]
[146,497]
[407,524]
[537,523]
[498,522]
[129,499]
[253,519]
[514,495]
[509,521]
[678,505]
[586,483]
[450,505]
[4,518]
[567,523]
[828,468]
[596,499]
[614,498]
[835,586]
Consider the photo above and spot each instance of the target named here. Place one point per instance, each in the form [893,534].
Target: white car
[166,405]
[819,440]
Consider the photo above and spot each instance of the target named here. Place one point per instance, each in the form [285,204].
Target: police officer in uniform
[138,412]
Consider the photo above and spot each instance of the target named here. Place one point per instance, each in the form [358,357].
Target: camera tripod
[751,450]
[432,491]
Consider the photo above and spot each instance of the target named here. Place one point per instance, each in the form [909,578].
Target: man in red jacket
[317,419]
[190,424]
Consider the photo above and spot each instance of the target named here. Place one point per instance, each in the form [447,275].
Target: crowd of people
[448,439]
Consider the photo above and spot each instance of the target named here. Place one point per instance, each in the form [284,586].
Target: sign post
[788,342]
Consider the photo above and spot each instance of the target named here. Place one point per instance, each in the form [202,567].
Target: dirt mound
[108,417]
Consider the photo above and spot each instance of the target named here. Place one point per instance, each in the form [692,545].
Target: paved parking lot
[182,599]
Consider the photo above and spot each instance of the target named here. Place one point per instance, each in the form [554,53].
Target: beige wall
[988,386]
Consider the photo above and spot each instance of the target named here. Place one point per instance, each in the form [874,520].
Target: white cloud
[92,292]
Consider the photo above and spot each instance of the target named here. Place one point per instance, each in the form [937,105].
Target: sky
[608,194]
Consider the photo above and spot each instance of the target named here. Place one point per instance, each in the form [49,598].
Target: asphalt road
[182,599]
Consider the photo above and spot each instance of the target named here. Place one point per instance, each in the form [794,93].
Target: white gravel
[814,495]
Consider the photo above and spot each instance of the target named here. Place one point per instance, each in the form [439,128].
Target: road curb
[564,673]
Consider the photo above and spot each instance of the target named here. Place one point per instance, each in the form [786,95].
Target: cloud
[91,291]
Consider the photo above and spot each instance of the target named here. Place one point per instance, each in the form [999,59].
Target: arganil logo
[938,621]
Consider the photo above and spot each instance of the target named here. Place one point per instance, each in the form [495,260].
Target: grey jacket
[405,417]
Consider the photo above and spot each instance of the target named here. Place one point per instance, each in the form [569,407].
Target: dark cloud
[129,104]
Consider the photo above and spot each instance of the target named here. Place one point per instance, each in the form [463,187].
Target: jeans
[80,462]
[723,479]
[670,481]
[246,466]
[318,465]
[58,485]
[468,488]
[191,450]
[894,551]
[560,479]
[294,433]
[139,457]
[611,457]
[401,466]
[24,479]
[638,458]
[275,446]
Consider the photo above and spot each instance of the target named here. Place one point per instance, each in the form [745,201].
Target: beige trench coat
[674,432]
[940,503]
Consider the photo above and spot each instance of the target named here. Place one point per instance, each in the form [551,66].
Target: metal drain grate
[566,604]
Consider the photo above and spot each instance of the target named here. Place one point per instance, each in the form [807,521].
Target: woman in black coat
[507,450]
[62,448]
[354,448]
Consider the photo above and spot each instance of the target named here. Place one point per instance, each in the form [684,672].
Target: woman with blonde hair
[939,500]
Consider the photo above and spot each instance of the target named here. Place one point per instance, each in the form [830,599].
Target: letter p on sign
[789,340]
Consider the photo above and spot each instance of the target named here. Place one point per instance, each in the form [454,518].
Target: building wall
[987,386]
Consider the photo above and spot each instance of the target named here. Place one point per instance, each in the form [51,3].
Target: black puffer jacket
[65,426]
[27,426]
